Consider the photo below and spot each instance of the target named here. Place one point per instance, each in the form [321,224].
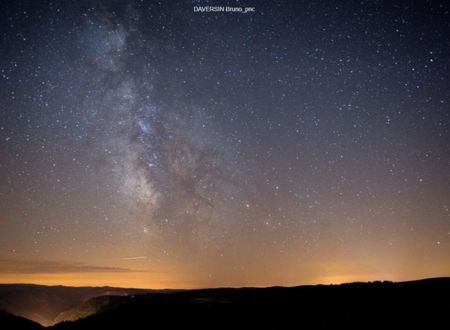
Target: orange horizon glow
[142,281]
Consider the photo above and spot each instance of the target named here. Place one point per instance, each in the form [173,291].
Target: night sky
[145,144]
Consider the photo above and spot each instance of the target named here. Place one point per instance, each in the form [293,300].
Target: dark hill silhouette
[43,304]
[10,321]
[422,304]
[374,305]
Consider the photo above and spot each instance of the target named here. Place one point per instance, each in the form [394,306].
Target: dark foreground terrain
[48,305]
[422,304]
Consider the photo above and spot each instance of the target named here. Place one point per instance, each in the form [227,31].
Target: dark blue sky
[304,142]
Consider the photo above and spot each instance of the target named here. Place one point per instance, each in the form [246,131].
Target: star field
[154,146]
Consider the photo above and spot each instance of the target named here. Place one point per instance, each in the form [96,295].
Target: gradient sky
[143,144]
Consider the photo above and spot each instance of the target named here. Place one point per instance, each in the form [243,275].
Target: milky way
[301,142]
[170,160]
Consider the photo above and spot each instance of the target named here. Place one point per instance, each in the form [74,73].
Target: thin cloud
[35,267]
[134,258]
